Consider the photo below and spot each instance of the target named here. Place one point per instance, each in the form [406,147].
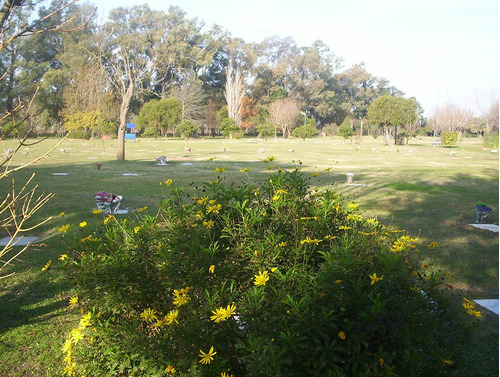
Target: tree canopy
[139,55]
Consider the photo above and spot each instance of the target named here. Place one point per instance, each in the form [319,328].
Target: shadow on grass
[30,302]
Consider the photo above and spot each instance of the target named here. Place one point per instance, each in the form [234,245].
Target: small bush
[80,134]
[490,141]
[269,280]
[449,138]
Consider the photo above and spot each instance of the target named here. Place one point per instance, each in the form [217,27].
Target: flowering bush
[257,281]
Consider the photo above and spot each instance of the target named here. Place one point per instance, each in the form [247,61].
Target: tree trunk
[361,134]
[127,96]
[395,135]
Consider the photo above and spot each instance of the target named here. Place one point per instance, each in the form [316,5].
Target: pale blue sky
[435,50]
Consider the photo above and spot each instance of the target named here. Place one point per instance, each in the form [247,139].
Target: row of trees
[162,69]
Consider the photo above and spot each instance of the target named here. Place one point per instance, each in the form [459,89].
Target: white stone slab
[60,173]
[131,174]
[491,304]
[355,184]
[121,211]
[18,241]
[187,163]
[490,227]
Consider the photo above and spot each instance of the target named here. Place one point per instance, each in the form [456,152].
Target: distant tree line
[172,76]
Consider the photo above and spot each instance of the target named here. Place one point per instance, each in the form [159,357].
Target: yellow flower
[274,269]
[76,335]
[83,224]
[219,315]
[309,240]
[63,257]
[96,211]
[211,158]
[477,313]
[352,206]
[171,317]
[149,315]
[375,278]
[67,346]
[108,219]
[229,311]
[46,267]
[330,237]
[354,217]
[202,201]
[211,269]
[199,214]
[282,244]
[338,281]
[168,182]
[142,209]
[73,301]
[448,362]
[206,358]
[208,224]
[180,297]
[63,229]
[137,229]
[70,369]
[170,369]
[220,170]
[261,278]
[269,159]
[215,209]
[468,306]
[62,214]
[212,202]
[341,335]
[432,245]
[314,174]
[343,227]
[245,170]
[85,321]
[381,361]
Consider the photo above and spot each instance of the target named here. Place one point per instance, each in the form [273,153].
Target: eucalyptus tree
[311,81]
[128,44]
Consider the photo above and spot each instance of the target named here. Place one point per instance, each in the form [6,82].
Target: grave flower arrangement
[107,202]
[482,211]
[161,160]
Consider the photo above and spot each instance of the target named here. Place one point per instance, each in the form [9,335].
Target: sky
[438,51]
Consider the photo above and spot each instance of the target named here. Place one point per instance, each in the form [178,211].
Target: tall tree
[451,117]
[234,91]
[284,114]
[392,111]
[128,55]
[189,92]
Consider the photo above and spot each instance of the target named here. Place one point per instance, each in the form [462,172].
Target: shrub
[305,131]
[449,138]
[187,129]
[490,141]
[80,134]
[330,129]
[270,280]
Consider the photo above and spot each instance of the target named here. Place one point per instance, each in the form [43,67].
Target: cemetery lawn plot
[422,189]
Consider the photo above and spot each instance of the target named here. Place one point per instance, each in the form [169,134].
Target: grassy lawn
[425,190]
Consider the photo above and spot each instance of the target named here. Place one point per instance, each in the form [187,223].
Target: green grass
[417,187]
